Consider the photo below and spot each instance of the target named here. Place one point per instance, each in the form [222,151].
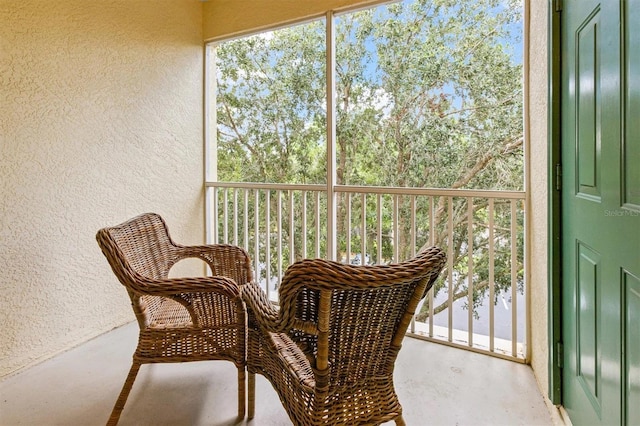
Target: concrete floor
[437,385]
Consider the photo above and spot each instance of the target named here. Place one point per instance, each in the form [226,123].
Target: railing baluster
[279,242]
[227,208]
[318,227]
[450,268]
[225,217]
[235,216]
[292,227]
[379,232]
[514,281]
[246,219]
[470,267]
[256,234]
[432,232]
[414,231]
[492,295]
[216,219]
[414,226]
[348,230]
[304,224]
[363,236]
[396,234]
[267,246]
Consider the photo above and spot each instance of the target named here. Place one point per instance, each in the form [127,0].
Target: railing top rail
[273,186]
[439,192]
[447,192]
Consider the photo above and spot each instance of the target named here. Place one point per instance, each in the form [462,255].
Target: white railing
[482,232]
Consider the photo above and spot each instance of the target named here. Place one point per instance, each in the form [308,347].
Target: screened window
[428,94]
[271,106]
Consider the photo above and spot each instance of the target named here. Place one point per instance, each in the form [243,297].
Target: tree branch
[423,315]
[479,108]
[242,141]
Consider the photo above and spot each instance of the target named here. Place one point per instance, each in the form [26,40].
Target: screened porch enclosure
[366,135]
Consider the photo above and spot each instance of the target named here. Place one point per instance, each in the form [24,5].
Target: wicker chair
[180,319]
[329,351]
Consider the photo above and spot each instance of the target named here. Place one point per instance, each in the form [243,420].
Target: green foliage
[271,108]
[428,94]
[428,90]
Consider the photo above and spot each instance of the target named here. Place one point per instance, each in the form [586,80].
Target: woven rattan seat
[180,319]
[329,351]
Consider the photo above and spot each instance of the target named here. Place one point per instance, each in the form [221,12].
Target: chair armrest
[185,286]
[258,304]
[223,259]
[200,296]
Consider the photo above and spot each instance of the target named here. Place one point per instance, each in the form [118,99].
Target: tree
[428,95]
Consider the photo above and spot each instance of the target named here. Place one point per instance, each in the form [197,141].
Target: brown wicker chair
[180,319]
[329,351]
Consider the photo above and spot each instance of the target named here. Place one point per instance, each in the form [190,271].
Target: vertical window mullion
[331,138]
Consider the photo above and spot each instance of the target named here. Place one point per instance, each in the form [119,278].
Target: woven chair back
[141,246]
[356,315]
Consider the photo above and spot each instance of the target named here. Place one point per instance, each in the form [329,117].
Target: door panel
[588,102]
[632,346]
[632,103]
[600,213]
[587,337]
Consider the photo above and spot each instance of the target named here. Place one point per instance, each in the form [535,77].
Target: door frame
[554,249]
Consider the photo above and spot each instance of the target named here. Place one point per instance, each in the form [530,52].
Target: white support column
[331,140]
[210,144]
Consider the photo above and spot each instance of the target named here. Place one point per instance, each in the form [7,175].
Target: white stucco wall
[100,120]
[537,214]
[224,18]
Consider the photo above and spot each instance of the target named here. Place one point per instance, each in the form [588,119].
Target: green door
[600,211]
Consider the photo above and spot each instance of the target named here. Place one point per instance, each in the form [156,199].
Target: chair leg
[252,394]
[400,421]
[241,392]
[124,394]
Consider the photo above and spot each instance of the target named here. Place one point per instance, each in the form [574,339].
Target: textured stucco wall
[537,214]
[224,18]
[100,120]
